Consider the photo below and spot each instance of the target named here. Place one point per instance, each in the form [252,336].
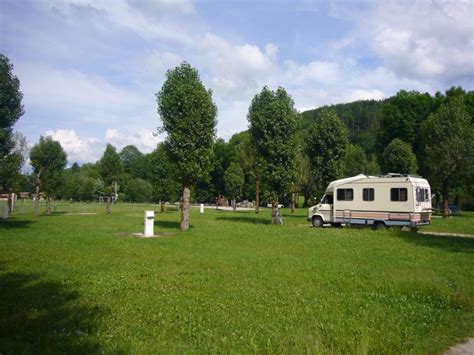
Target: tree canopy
[326,146]
[273,124]
[234,181]
[165,187]
[48,160]
[448,141]
[110,166]
[398,157]
[188,115]
[11,109]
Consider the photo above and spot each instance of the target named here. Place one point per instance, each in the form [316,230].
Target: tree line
[283,157]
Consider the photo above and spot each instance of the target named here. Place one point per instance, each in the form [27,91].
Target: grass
[456,223]
[234,283]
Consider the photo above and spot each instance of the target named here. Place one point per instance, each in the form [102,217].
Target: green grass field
[79,283]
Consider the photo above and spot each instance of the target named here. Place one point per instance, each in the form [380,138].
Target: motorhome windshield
[327,199]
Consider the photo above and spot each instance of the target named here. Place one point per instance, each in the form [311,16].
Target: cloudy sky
[89,69]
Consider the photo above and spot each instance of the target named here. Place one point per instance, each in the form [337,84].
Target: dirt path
[447,234]
[462,349]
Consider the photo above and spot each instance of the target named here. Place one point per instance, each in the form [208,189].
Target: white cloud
[144,139]
[146,18]
[78,149]
[318,71]
[361,94]
[160,61]
[425,40]
[83,148]
[236,70]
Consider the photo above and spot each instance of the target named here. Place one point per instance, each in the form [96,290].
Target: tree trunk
[10,201]
[445,199]
[37,196]
[293,201]
[305,200]
[257,194]
[108,205]
[185,207]
[276,216]
[48,204]
[162,206]
[234,204]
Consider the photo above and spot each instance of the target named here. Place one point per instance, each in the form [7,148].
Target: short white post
[5,212]
[201,208]
[149,223]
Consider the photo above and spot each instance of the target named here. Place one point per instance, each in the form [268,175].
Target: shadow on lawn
[13,223]
[445,242]
[293,215]
[242,219]
[39,316]
[168,224]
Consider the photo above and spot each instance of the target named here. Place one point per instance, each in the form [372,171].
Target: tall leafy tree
[11,110]
[355,161]
[111,170]
[11,165]
[48,160]
[448,148]
[234,182]
[326,146]
[402,116]
[134,162]
[189,118]
[138,190]
[165,187]
[273,124]
[398,157]
[372,167]
[245,154]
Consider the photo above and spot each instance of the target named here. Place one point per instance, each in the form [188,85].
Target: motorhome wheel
[380,226]
[317,222]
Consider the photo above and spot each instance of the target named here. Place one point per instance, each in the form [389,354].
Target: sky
[89,69]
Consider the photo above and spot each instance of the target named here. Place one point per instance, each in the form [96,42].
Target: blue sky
[89,69]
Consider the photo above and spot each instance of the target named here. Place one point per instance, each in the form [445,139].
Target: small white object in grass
[201,208]
[149,223]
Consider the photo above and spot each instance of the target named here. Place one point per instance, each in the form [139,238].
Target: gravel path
[447,234]
[462,349]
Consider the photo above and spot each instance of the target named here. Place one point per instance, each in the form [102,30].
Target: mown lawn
[78,283]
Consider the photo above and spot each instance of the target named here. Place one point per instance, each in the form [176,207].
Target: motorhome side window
[399,194]
[422,195]
[368,194]
[345,194]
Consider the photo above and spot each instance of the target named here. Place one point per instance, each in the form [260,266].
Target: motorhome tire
[317,222]
[380,226]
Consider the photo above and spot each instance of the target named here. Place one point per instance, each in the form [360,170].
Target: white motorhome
[378,201]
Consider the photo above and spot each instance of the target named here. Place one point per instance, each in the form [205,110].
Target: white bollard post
[201,208]
[149,223]
[5,212]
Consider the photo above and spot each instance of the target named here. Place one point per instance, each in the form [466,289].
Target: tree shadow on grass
[168,224]
[38,316]
[446,242]
[242,219]
[293,215]
[13,223]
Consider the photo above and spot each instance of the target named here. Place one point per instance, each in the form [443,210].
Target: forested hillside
[403,124]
